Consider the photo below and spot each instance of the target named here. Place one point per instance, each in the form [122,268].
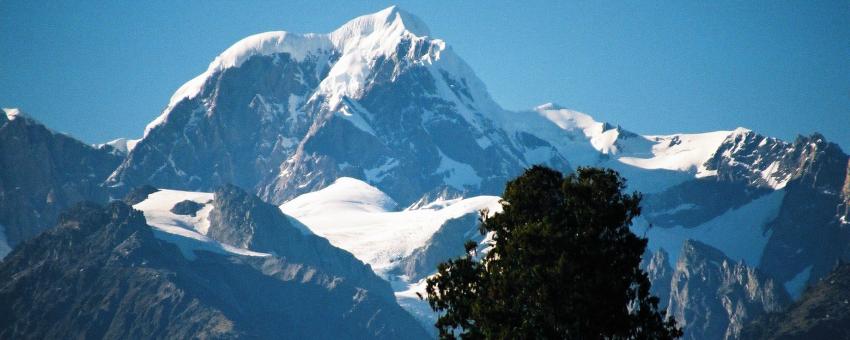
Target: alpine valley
[305,185]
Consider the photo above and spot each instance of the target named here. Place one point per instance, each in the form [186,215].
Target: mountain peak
[11,113]
[378,33]
[390,18]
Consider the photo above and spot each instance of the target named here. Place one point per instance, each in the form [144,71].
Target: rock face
[713,297]
[657,267]
[42,173]
[103,274]
[187,207]
[760,161]
[808,231]
[823,312]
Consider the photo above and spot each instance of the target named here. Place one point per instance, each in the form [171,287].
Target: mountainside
[713,297]
[823,312]
[402,246]
[231,221]
[42,173]
[783,219]
[122,280]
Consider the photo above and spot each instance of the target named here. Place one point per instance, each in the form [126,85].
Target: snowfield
[361,219]
[187,232]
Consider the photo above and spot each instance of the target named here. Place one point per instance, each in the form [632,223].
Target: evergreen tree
[563,265]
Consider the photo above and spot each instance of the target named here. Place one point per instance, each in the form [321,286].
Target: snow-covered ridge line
[678,152]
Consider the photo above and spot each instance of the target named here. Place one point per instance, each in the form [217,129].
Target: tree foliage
[563,265]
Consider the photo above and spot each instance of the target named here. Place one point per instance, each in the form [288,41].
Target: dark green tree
[563,265]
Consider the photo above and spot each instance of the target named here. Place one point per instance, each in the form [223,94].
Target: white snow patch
[357,217]
[484,142]
[770,177]
[797,284]
[187,232]
[738,233]
[457,174]
[376,175]
[356,118]
[123,145]
[11,113]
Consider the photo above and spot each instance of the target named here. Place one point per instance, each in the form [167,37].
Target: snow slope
[680,152]
[359,218]
[187,232]
[677,152]
[738,233]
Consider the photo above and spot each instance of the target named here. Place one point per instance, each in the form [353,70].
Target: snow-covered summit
[357,43]
[390,19]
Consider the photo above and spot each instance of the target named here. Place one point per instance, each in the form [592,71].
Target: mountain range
[332,172]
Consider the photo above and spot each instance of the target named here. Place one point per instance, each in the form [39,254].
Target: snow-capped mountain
[380,100]
[380,139]
[377,99]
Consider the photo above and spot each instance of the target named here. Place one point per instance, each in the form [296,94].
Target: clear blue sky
[101,70]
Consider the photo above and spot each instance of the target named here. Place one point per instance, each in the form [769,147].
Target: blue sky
[99,71]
